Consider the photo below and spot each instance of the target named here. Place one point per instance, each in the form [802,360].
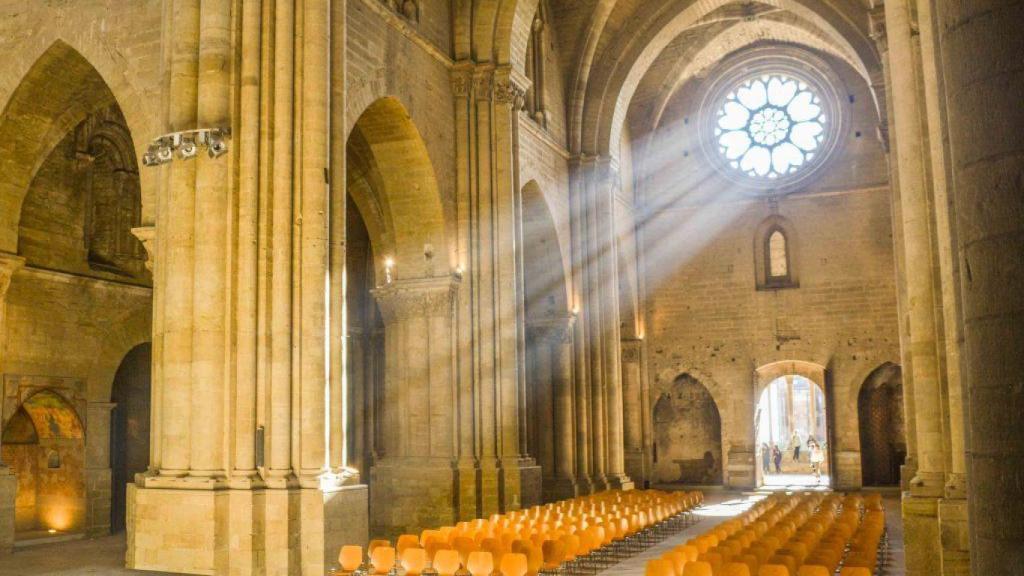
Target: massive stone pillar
[551,340]
[594,235]
[919,262]
[633,408]
[487,103]
[412,480]
[245,474]
[9,265]
[983,73]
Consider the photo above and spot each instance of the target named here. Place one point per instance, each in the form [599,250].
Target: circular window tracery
[772,117]
[770,126]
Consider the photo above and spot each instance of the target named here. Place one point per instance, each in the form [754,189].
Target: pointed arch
[883,443]
[776,254]
[687,427]
[56,93]
[392,182]
[544,257]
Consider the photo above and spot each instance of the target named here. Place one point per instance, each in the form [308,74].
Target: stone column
[9,265]
[983,71]
[412,482]
[632,407]
[910,139]
[240,305]
[552,338]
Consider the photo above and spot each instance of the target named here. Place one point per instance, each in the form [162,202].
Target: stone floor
[106,555]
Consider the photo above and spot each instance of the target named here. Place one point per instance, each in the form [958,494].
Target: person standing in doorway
[777,457]
[766,458]
[795,443]
[817,458]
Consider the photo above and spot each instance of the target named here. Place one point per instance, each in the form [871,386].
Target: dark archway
[687,434]
[129,427]
[883,444]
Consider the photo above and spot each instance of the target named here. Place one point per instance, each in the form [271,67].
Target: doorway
[791,426]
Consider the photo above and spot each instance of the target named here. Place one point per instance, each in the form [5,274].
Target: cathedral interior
[284,279]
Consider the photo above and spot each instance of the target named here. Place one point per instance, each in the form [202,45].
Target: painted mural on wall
[687,434]
[43,442]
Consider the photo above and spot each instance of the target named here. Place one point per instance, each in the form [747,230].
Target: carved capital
[876,25]
[416,298]
[483,83]
[462,79]
[147,235]
[556,330]
[510,87]
[632,349]
[9,264]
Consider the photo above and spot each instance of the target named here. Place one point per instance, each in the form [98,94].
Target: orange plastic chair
[406,541]
[855,571]
[446,562]
[382,559]
[697,568]
[513,564]
[735,569]
[678,560]
[480,563]
[773,570]
[689,551]
[554,552]
[350,558]
[813,570]
[465,546]
[374,543]
[414,560]
[659,568]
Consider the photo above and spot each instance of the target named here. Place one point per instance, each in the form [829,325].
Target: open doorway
[792,433]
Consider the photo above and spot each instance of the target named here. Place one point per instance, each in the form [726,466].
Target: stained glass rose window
[770,126]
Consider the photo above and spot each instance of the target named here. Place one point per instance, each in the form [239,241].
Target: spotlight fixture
[187,144]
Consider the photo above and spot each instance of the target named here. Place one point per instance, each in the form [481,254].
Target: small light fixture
[389,266]
[52,530]
[186,143]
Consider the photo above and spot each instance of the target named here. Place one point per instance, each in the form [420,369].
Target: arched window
[778,256]
[774,249]
[535,55]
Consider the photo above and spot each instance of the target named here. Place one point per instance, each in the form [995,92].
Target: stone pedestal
[8,491]
[847,474]
[214,529]
[921,535]
[739,468]
[408,495]
[531,484]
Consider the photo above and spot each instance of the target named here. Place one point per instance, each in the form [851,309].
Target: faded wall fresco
[44,444]
[687,434]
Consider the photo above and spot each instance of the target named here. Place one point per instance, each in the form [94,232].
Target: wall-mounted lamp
[389,265]
[187,143]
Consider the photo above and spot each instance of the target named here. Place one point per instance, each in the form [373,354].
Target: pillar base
[921,535]
[556,489]
[245,531]
[620,482]
[408,495]
[531,484]
[847,474]
[954,537]
[739,470]
[8,492]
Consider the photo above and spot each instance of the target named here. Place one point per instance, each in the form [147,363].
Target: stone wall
[704,313]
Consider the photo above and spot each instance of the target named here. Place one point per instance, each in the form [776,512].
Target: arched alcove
[44,444]
[883,443]
[687,434]
[129,427]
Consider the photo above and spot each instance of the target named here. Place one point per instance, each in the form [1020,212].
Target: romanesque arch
[883,444]
[44,443]
[129,427]
[687,434]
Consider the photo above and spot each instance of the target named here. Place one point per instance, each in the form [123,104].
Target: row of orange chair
[799,535]
[581,533]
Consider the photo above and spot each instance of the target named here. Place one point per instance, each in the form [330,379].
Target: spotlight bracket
[186,143]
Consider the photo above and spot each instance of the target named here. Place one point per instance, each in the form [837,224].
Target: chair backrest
[855,571]
[678,560]
[350,558]
[414,560]
[773,570]
[406,541]
[446,562]
[735,569]
[659,568]
[480,563]
[813,570]
[374,543]
[465,546]
[513,564]
[383,559]
[689,551]
[697,568]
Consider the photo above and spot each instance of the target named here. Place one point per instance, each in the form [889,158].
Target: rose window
[770,126]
